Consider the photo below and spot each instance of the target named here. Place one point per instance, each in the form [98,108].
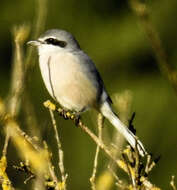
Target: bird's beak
[34,43]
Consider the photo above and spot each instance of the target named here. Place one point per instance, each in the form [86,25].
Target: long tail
[107,112]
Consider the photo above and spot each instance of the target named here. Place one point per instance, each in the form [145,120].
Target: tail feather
[107,112]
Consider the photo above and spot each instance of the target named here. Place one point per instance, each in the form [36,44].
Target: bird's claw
[65,114]
[76,119]
[69,115]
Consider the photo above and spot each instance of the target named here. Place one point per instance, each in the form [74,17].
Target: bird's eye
[56,42]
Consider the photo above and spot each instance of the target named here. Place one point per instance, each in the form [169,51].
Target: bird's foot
[69,115]
[75,116]
[64,113]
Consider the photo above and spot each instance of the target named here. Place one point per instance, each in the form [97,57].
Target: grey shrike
[73,81]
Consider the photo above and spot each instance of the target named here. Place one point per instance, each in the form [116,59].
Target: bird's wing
[94,75]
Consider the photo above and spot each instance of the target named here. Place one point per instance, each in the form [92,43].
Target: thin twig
[18,72]
[148,162]
[100,126]
[17,81]
[48,104]
[13,130]
[29,60]
[27,138]
[172,183]
[133,182]
[123,102]
[128,164]
[167,70]
[137,159]
[97,140]
[119,182]
[51,167]
[60,151]
[4,152]
[38,26]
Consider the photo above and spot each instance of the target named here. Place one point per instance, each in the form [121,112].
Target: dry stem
[51,167]
[38,26]
[167,70]
[17,81]
[4,152]
[172,183]
[60,151]
[100,126]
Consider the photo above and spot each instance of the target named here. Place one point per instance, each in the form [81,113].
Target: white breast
[65,80]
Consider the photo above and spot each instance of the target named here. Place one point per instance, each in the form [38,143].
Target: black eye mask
[56,42]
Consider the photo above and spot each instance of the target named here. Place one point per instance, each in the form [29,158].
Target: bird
[73,80]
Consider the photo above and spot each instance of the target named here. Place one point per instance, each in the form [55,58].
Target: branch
[38,26]
[68,115]
[4,180]
[131,163]
[140,9]
[100,126]
[172,183]
[60,151]
[20,34]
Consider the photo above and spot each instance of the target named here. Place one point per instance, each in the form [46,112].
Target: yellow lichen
[68,114]
[61,185]
[50,105]
[122,165]
[37,158]
[6,184]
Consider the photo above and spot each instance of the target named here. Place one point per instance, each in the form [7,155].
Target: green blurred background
[114,38]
